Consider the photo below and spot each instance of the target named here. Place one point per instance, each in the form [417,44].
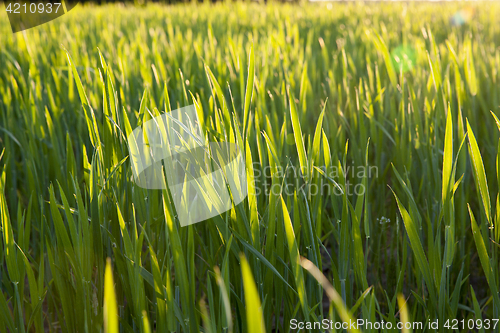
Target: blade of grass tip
[360,300]
[452,52]
[321,172]
[220,95]
[110,305]
[249,89]
[199,111]
[496,120]
[456,293]
[380,45]
[435,74]
[413,205]
[477,308]
[317,139]
[145,322]
[225,298]
[143,115]
[479,173]
[263,259]
[403,314]
[297,133]
[127,242]
[470,70]
[255,319]
[207,323]
[70,157]
[332,294]
[166,98]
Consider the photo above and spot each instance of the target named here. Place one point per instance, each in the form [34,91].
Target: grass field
[330,90]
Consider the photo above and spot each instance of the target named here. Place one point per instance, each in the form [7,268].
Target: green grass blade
[110,304]
[479,173]
[297,133]
[255,319]
[295,260]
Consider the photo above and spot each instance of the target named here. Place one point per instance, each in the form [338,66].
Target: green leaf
[295,260]
[496,120]
[316,151]
[448,158]
[297,133]
[255,319]
[382,48]
[418,250]
[479,173]
[110,304]
[89,112]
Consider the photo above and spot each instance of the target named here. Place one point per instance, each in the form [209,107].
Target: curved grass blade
[479,173]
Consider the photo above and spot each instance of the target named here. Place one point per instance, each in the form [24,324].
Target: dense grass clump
[372,151]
